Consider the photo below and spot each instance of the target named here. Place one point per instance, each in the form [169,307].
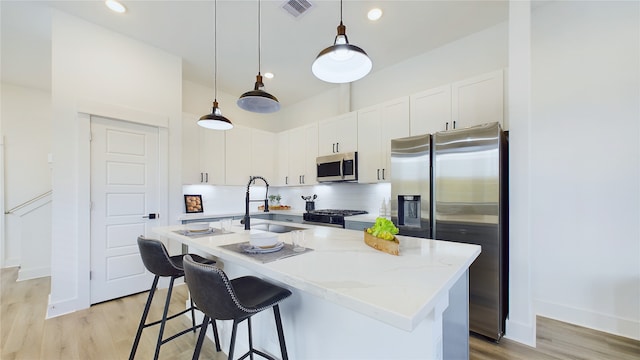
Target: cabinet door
[338,134]
[347,132]
[212,156]
[263,153]
[478,100]
[310,154]
[238,155]
[191,172]
[370,146]
[430,111]
[394,123]
[297,139]
[282,167]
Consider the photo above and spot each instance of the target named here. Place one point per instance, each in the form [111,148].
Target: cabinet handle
[333,148]
[206,177]
[454,124]
[378,174]
[446,125]
[338,147]
[383,174]
[286,180]
[201,177]
[303,179]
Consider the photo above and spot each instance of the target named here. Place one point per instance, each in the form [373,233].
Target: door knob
[151,216]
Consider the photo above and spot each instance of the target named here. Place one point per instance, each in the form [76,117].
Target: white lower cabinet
[203,153]
[377,125]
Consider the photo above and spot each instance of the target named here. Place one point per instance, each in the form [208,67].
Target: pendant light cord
[215,50]
[259,38]
[340,11]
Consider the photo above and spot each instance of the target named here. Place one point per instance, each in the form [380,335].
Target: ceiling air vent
[297,7]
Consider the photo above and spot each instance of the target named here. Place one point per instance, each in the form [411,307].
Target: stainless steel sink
[275,228]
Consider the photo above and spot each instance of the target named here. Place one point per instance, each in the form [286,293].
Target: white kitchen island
[350,301]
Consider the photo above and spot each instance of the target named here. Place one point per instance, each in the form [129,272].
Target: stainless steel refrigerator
[453,185]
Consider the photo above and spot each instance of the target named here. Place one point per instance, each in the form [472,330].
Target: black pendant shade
[258,100]
[215,120]
[341,62]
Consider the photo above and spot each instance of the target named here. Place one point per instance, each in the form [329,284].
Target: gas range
[330,217]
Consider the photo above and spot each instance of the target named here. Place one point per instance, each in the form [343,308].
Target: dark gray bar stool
[238,299]
[157,260]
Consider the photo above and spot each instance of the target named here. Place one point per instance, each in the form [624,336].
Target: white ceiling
[289,45]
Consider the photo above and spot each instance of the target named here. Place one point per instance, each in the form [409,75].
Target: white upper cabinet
[338,134]
[203,153]
[238,155]
[263,153]
[282,165]
[377,125]
[478,100]
[465,103]
[431,110]
[303,151]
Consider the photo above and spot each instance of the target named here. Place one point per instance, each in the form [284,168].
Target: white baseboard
[62,307]
[608,323]
[28,274]
[521,332]
[9,263]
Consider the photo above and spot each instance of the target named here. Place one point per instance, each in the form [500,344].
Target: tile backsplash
[352,196]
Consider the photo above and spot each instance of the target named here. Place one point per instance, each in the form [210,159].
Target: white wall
[26,125]
[585,164]
[89,72]
[475,54]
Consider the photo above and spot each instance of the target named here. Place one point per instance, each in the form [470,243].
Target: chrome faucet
[247,222]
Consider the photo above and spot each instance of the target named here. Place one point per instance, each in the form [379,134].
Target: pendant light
[215,120]
[258,100]
[341,62]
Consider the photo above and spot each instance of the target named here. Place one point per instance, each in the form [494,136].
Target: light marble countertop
[398,290]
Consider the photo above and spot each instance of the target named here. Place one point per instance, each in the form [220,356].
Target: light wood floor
[106,331]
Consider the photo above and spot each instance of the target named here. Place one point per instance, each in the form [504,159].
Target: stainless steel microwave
[338,167]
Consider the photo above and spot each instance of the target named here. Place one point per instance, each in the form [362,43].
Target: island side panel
[318,329]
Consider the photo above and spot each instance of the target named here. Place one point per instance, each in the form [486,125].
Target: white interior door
[124,191]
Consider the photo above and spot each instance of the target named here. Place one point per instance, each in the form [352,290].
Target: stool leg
[215,335]
[203,332]
[164,318]
[250,338]
[193,315]
[283,347]
[233,339]
[143,319]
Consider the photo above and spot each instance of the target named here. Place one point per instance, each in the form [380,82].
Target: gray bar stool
[157,260]
[238,299]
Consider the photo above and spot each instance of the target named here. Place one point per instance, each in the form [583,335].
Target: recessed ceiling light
[116,6]
[268,75]
[374,14]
